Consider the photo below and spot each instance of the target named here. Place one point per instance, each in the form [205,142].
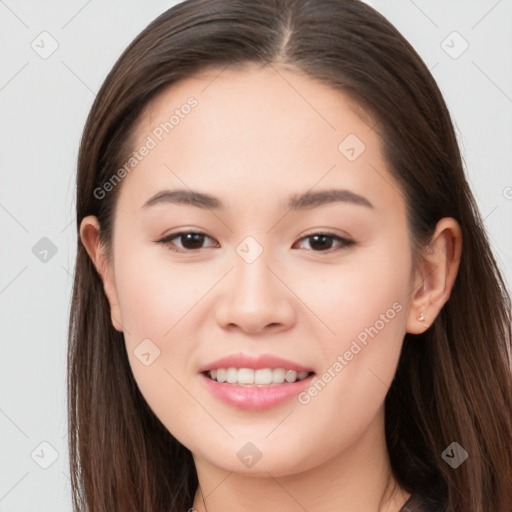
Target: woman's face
[264,146]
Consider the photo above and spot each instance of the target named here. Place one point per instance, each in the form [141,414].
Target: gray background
[43,105]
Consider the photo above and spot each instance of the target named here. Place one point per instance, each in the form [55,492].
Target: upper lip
[254,362]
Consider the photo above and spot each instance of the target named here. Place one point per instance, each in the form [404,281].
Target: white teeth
[260,377]
[263,376]
[278,375]
[232,375]
[245,376]
[290,376]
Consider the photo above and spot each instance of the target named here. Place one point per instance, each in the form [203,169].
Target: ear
[89,235]
[436,275]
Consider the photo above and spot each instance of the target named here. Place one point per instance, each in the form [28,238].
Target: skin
[255,137]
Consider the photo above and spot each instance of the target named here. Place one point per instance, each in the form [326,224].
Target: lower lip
[255,398]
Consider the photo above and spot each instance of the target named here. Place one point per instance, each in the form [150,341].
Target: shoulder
[417,503]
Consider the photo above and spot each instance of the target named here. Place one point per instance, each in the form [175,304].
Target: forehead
[261,130]
[251,97]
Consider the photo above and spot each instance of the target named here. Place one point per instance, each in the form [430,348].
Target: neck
[359,478]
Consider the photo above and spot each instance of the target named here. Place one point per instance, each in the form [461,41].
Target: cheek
[364,305]
[156,301]
[153,293]
[354,295]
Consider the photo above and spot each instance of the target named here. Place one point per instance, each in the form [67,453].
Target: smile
[256,397]
[256,378]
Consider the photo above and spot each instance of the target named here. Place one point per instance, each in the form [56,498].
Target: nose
[255,298]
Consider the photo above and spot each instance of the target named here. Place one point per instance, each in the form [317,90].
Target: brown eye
[190,241]
[193,241]
[323,242]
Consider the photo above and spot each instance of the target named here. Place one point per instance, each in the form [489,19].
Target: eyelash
[344,242]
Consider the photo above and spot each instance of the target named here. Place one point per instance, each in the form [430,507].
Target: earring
[421,317]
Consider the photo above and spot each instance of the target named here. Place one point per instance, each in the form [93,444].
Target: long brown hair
[453,382]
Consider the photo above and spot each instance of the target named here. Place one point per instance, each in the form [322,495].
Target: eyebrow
[304,201]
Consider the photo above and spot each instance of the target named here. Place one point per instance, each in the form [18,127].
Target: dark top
[416,503]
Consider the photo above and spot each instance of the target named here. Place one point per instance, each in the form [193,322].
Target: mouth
[261,377]
[255,383]
[255,389]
